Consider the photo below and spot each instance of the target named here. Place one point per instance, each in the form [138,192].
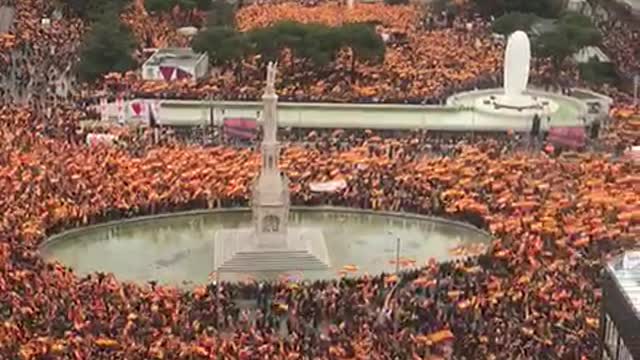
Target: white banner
[95,139]
[121,110]
[631,260]
[328,186]
[104,110]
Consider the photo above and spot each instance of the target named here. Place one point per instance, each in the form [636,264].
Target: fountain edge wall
[580,104]
[335,209]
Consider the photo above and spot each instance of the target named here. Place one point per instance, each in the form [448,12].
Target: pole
[473,125]
[217,298]
[397,254]
[636,80]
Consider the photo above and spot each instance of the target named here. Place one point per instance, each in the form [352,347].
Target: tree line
[314,44]
[109,45]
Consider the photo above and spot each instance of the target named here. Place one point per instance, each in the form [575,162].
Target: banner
[96,139]
[633,154]
[631,260]
[242,128]
[121,110]
[104,115]
[571,137]
[328,186]
[138,109]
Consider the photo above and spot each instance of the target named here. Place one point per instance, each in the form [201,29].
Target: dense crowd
[555,219]
[621,38]
[426,67]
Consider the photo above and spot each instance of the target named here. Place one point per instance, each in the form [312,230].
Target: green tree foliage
[440,6]
[396,2]
[513,21]
[367,46]
[168,5]
[555,45]
[313,43]
[598,73]
[320,45]
[94,9]
[223,45]
[580,29]
[572,32]
[107,48]
[542,8]
[221,13]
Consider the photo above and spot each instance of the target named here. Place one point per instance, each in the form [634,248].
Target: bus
[620,313]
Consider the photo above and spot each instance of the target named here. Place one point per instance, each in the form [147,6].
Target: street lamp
[390,233]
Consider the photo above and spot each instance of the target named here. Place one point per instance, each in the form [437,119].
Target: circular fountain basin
[177,249]
[526,106]
[560,110]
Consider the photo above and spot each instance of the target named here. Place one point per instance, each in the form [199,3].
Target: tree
[223,45]
[320,45]
[314,43]
[396,2]
[158,5]
[221,13]
[365,43]
[266,42]
[580,29]
[94,9]
[572,32]
[513,21]
[107,48]
[554,45]
[446,6]
[542,8]
[598,73]
[168,5]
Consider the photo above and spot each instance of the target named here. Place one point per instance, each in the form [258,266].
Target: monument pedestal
[239,250]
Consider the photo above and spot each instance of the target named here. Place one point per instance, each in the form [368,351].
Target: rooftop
[626,271]
[174,57]
[585,54]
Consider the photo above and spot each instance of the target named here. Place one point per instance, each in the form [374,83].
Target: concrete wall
[457,115]
[317,115]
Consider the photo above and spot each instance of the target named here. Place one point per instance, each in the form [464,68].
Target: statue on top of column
[272,69]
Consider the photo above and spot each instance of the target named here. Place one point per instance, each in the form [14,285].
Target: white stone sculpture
[517,58]
[272,71]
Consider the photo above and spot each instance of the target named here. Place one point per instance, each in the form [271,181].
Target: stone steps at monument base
[273,261]
[260,253]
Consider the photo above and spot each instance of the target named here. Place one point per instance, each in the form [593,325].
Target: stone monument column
[270,245]
[271,193]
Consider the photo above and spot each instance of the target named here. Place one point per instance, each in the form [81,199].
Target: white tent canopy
[587,53]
